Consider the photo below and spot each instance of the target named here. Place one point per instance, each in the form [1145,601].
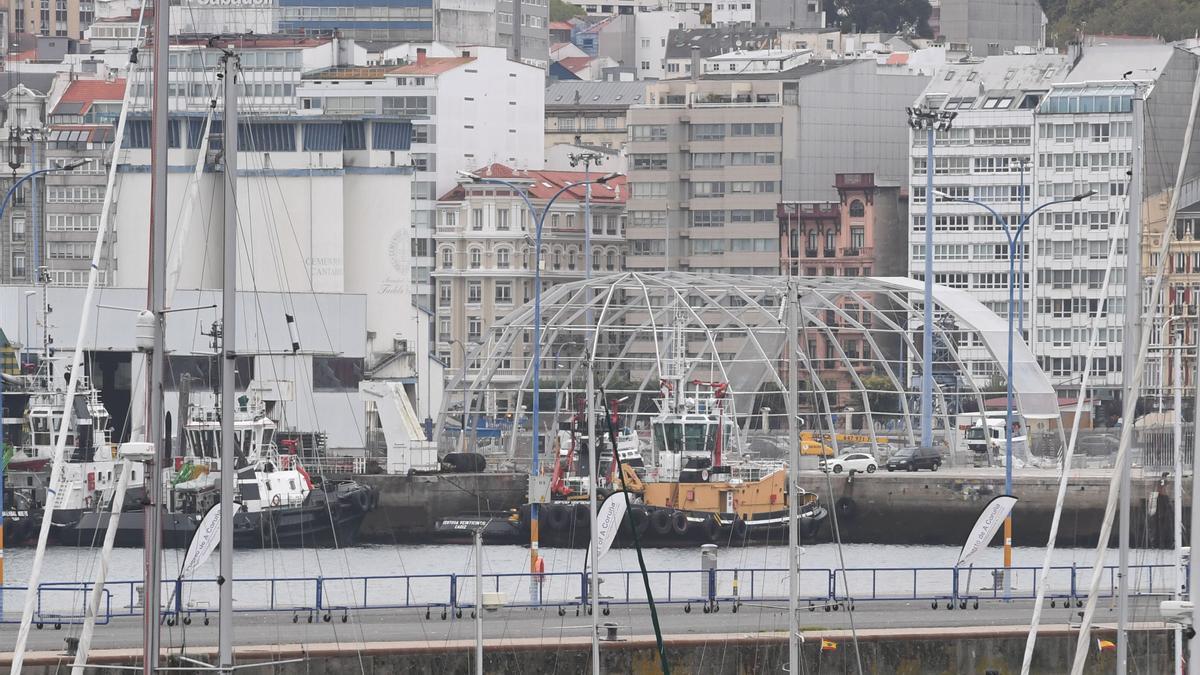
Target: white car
[852,461]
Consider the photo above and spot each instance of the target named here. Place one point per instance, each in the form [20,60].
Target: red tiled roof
[898,59]
[575,63]
[434,65]
[87,91]
[27,55]
[544,184]
[560,25]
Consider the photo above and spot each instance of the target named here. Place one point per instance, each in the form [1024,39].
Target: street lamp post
[929,120]
[1013,238]
[3,454]
[539,219]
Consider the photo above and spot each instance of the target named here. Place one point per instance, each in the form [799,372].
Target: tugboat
[280,503]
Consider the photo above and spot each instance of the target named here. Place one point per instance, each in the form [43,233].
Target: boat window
[209,444]
[696,438]
[292,482]
[667,437]
[266,437]
[246,440]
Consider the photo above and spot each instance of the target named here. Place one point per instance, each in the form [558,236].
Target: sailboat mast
[159,149]
[792,305]
[230,64]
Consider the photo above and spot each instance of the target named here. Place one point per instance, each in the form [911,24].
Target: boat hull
[326,518]
[566,524]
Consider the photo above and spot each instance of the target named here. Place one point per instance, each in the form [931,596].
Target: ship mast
[231,65]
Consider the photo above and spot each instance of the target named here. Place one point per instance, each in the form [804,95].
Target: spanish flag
[1105,645]
[828,646]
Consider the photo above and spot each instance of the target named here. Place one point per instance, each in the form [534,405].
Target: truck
[985,436]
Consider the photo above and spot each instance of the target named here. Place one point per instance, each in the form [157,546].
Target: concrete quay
[940,507]
[979,649]
[885,508]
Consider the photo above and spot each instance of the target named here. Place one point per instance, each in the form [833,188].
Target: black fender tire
[740,529]
[580,513]
[660,521]
[640,519]
[557,517]
[679,523]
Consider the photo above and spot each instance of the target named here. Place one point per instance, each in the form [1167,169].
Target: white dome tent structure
[859,338]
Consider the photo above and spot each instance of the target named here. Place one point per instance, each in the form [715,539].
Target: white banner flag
[608,522]
[985,527]
[204,541]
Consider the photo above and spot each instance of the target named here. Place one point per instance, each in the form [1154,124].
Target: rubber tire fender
[679,523]
[660,521]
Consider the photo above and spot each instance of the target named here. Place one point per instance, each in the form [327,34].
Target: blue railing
[326,598]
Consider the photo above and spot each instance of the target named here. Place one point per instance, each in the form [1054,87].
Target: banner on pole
[204,541]
[608,522]
[985,527]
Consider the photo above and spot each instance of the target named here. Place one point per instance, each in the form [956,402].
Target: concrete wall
[970,650]
[1004,23]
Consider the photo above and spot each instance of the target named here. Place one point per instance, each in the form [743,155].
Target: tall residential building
[466,111]
[1074,126]
[993,27]
[62,18]
[710,158]
[498,23]
[486,262]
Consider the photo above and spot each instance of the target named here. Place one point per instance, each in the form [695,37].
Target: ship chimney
[420,56]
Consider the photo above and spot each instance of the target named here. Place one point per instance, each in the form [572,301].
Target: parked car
[851,461]
[914,458]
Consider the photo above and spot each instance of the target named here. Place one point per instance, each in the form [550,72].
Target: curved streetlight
[521,191]
[1013,238]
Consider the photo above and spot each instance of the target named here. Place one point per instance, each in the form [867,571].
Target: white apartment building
[466,111]
[486,262]
[1076,129]
[981,157]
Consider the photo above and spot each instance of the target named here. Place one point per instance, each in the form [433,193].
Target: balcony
[831,253]
[854,252]
[810,253]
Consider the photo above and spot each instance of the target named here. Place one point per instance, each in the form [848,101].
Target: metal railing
[325,598]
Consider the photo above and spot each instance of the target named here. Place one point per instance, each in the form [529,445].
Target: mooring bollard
[610,632]
[708,567]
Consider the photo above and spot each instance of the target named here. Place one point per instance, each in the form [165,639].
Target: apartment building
[521,27]
[486,261]
[466,111]
[1063,133]
[992,27]
[1174,321]
[591,113]
[63,18]
[710,158]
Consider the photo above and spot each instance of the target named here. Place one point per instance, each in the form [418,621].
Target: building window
[476,219]
[18,229]
[475,256]
[502,219]
[474,329]
[857,210]
[450,219]
[447,258]
[503,258]
[857,238]
[18,266]
[504,292]
[474,291]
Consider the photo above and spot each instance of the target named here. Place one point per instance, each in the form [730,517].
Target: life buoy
[660,520]
[539,569]
[679,523]
[276,501]
[847,508]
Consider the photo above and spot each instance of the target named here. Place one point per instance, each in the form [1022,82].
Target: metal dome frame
[720,312]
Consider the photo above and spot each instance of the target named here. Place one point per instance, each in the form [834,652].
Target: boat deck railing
[322,598]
